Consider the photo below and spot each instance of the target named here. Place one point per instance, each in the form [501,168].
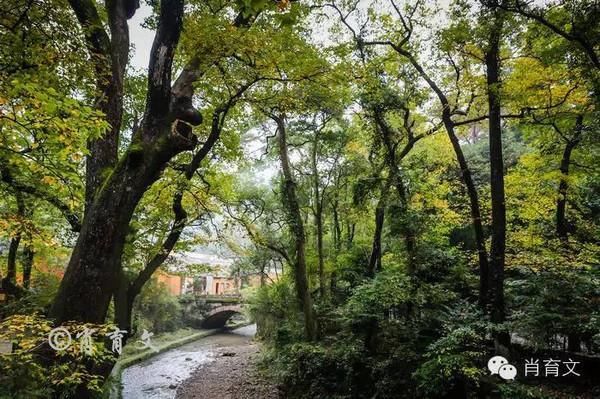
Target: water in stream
[158,377]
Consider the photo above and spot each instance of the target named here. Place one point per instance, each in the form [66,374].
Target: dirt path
[232,375]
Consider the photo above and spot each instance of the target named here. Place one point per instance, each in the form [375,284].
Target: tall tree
[130,288]
[318,209]
[498,230]
[448,112]
[296,225]
[376,250]
[115,188]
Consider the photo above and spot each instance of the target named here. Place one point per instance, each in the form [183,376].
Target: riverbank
[134,354]
[231,375]
[177,371]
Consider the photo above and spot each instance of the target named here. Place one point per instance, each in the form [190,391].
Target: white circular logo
[59,339]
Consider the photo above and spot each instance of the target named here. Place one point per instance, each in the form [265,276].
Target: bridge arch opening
[218,317]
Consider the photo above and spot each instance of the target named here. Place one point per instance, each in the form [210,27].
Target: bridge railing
[218,298]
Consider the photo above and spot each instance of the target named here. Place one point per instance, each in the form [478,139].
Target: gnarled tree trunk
[93,272]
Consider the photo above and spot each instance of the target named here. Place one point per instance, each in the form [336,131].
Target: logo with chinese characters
[145,341]
[551,368]
[60,339]
[500,366]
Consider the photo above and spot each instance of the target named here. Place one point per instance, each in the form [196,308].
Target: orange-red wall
[172,282]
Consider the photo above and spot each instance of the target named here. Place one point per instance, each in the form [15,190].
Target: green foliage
[274,309]
[350,267]
[34,370]
[363,107]
[508,391]
[552,304]
[315,371]
[453,363]
[393,335]
[156,309]
[36,300]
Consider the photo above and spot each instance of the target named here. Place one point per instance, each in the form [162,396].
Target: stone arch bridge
[218,316]
[213,311]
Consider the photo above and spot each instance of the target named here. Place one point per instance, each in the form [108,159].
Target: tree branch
[536,15]
[97,39]
[161,58]
[158,259]
[37,192]
[183,89]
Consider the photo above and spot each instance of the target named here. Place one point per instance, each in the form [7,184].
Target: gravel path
[232,375]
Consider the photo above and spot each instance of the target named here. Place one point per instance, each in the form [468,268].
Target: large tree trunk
[562,227]
[11,263]
[112,191]
[109,55]
[123,303]
[123,307]
[290,202]
[115,189]
[498,247]
[92,275]
[129,290]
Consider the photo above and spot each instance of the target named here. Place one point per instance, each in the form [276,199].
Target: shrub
[34,370]
[35,300]
[276,312]
[550,305]
[157,310]
[308,371]
[454,364]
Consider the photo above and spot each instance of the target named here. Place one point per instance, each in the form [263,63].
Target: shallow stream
[158,377]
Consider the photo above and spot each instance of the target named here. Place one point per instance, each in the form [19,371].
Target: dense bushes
[315,371]
[273,308]
[370,342]
[395,336]
[452,365]
[34,370]
[36,299]
[553,306]
[157,310]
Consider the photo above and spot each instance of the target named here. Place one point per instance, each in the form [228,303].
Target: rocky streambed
[220,366]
